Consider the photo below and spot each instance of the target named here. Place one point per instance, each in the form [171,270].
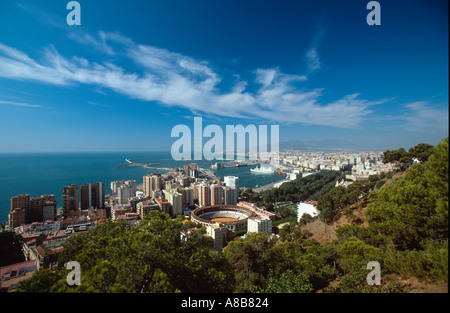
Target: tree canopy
[151,258]
[407,233]
[404,158]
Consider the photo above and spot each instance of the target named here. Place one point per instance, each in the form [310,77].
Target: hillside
[405,278]
[322,232]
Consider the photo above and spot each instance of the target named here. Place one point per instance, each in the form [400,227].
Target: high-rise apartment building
[188,195]
[122,191]
[194,187]
[230,196]
[70,199]
[92,196]
[20,201]
[123,194]
[129,184]
[26,210]
[204,195]
[152,182]
[189,167]
[176,201]
[193,173]
[16,217]
[186,169]
[35,211]
[49,211]
[216,195]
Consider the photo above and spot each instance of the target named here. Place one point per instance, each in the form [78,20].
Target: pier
[136,164]
[157,168]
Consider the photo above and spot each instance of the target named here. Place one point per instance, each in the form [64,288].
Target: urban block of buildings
[191,191]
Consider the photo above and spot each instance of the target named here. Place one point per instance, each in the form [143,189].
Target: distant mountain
[321,145]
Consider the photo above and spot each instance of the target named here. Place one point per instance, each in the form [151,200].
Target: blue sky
[134,69]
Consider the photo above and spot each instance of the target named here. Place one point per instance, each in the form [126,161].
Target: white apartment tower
[259,224]
[231,181]
[176,201]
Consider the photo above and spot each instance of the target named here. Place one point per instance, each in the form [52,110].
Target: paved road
[269,186]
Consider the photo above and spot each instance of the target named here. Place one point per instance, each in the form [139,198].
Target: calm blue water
[45,173]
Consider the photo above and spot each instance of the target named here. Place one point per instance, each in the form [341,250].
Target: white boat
[263,169]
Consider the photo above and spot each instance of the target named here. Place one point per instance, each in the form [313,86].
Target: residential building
[164,205]
[218,234]
[49,211]
[231,181]
[11,275]
[116,211]
[70,199]
[18,206]
[193,173]
[16,218]
[35,211]
[187,195]
[152,182]
[230,195]
[122,190]
[46,253]
[143,208]
[308,207]
[176,201]
[124,193]
[204,195]
[92,196]
[189,167]
[259,224]
[216,194]
[134,201]
[20,201]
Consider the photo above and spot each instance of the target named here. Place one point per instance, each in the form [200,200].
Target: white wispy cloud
[21,104]
[177,80]
[313,59]
[421,116]
[87,39]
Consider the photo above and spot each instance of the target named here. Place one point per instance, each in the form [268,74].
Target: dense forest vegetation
[407,234]
[311,187]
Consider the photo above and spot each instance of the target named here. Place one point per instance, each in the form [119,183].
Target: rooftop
[17,269]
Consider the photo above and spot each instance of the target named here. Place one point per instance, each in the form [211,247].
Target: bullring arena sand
[224,219]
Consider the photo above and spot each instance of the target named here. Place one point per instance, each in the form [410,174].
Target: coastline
[47,173]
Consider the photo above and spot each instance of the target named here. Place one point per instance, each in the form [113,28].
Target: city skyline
[131,72]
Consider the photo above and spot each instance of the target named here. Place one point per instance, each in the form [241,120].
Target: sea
[47,173]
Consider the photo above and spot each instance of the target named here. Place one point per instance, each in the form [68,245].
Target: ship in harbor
[263,169]
[129,161]
[233,163]
[217,165]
